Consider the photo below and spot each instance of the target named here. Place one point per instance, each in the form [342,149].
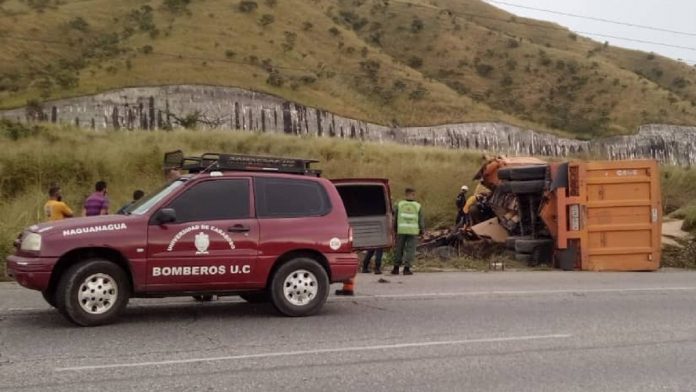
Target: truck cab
[264,228]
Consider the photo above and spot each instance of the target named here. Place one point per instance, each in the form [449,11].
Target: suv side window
[213,200]
[283,198]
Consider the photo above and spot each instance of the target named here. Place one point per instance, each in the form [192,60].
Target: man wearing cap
[460,202]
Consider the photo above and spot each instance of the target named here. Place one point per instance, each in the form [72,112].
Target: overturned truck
[597,215]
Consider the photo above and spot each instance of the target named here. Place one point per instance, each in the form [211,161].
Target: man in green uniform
[409,225]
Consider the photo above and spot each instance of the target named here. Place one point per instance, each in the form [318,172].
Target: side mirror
[165,215]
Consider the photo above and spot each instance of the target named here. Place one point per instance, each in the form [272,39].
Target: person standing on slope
[55,209]
[97,203]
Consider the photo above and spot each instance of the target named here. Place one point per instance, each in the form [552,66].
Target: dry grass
[76,159]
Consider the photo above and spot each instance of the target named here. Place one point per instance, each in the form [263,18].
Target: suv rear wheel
[92,292]
[299,287]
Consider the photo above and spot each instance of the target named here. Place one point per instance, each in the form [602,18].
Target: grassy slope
[127,161]
[546,79]
[77,158]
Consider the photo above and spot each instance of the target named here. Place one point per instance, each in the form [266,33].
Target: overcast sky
[677,15]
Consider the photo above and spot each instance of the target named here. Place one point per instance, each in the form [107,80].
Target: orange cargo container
[607,215]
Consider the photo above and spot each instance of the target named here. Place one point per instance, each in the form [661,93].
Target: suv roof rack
[238,162]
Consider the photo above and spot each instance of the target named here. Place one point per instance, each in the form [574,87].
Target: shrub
[266,19]
[307,26]
[176,6]
[230,53]
[418,93]
[506,81]
[371,68]
[15,130]
[334,31]
[415,62]
[290,39]
[275,79]
[417,25]
[484,69]
[79,24]
[679,82]
[147,49]
[39,5]
[513,43]
[247,6]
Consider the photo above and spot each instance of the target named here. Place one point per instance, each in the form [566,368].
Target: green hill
[387,61]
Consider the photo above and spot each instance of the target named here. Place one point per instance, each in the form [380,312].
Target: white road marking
[314,352]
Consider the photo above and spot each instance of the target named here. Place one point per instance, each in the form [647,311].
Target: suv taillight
[350,236]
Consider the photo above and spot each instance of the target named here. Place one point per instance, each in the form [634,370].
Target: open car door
[368,205]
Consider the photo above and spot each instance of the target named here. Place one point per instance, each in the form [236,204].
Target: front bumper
[31,272]
[343,266]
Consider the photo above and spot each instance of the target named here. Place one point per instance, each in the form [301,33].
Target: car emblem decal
[202,242]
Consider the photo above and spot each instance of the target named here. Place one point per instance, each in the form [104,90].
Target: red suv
[264,228]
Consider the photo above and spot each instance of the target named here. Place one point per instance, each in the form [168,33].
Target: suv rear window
[213,200]
[282,198]
[363,200]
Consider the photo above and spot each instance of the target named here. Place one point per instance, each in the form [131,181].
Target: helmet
[465,188]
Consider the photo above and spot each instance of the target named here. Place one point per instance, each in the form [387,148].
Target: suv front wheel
[299,287]
[92,292]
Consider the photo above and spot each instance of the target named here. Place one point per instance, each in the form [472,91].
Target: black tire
[99,274]
[305,280]
[203,297]
[523,187]
[510,241]
[256,297]
[50,297]
[542,255]
[528,246]
[523,257]
[523,173]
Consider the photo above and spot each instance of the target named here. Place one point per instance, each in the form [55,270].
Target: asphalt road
[500,331]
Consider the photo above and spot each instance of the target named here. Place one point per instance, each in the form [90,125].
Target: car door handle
[238,229]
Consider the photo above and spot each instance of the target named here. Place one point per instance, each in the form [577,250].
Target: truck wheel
[299,287]
[528,245]
[543,255]
[523,173]
[203,298]
[50,297]
[93,292]
[255,298]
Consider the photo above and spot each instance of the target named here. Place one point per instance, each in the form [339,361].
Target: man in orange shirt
[55,208]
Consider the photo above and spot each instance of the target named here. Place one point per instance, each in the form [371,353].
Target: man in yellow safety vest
[409,225]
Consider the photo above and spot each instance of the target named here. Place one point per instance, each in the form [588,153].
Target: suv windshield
[143,205]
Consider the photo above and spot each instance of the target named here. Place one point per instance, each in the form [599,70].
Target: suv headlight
[31,242]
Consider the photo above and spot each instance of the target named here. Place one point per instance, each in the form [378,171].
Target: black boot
[407,271]
[365,270]
[395,271]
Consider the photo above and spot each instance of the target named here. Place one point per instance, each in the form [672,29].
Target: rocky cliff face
[236,109]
